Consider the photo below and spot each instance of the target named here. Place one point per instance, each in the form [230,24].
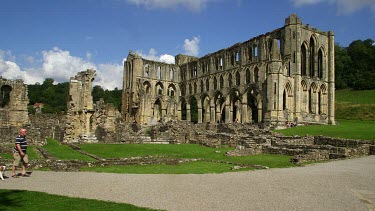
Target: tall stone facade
[13,103]
[286,75]
[80,108]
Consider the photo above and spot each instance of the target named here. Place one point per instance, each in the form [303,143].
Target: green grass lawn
[355,105]
[197,167]
[31,200]
[362,97]
[64,152]
[31,152]
[351,129]
[180,151]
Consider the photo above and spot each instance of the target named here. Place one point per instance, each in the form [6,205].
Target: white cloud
[191,47]
[169,59]
[343,6]
[193,5]
[109,76]
[152,55]
[9,69]
[60,65]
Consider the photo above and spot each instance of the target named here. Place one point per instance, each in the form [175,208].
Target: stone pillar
[331,78]
[244,118]
[199,114]
[227,110]
[212,113]
[188,114]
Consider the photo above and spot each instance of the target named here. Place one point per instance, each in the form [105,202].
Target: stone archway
[157,111]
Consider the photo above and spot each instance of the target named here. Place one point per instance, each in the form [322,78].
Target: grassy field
[355,105]
[351,129]
[355,117]
[64,152]
[197,167]
[31,152]
[180,151]
[31,200]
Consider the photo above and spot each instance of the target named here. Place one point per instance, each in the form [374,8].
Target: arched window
[202,87]
[159,73]
[320,64]
[238,79]
[303,60]
[247,76]
[312,57]
[237,57]
[256,75]
[147,70]
[215,83]
[221,82]
[250,53]
[232,60]
[190,91]
[171,73]
[230,80]
[207,85]
[195,88]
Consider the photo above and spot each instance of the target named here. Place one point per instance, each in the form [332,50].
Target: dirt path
[339,185]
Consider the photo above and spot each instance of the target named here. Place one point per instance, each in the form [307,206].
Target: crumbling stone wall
[80,108]
[13,103]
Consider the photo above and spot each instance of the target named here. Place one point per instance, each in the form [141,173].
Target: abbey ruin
[235,96]
[286,75]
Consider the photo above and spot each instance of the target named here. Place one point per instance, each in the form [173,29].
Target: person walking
[19,154]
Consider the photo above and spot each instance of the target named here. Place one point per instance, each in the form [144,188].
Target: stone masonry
[286,75]
[80,108]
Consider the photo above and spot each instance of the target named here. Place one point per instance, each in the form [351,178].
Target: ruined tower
[80,108]
[13,103]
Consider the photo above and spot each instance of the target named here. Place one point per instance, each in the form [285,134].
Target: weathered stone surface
[281,78]
[13,103]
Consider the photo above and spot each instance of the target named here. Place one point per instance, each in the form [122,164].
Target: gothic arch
[171,91]
[193,109]
[235,105]
[256,74]
[248,76]
[321,63]
[322,100]
[304,60]
[157,110]
[206,111]
[304,96]
[238,78]
[288,96]
[159,88]
[147,87]
[219,101]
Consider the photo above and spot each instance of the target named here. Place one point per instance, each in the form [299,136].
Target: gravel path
[339,185]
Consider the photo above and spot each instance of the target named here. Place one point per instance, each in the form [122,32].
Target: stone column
[212,113]
[331,78]
[227,110]
[188,114]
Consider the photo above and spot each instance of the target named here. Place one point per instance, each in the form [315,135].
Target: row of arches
[233,107]
[314,98]
[312,59]
[222,80]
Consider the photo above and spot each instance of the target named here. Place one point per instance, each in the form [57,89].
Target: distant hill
[355,105]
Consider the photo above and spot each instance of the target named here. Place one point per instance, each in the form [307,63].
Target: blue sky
[58,38]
